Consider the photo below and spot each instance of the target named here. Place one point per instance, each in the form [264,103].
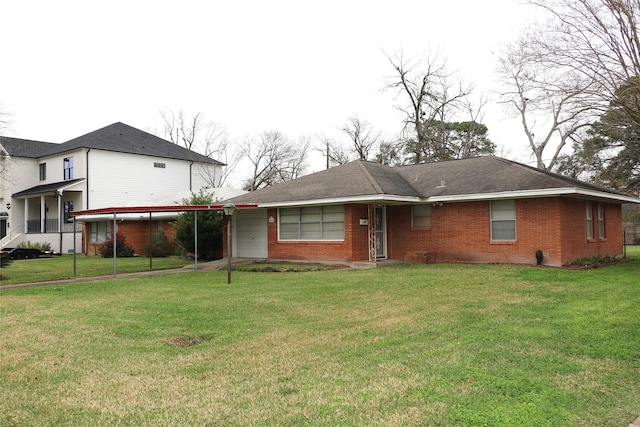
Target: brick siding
[136,235]
[461,232]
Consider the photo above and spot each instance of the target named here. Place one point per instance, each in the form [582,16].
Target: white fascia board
[75,184]
[550,192]
[388,198]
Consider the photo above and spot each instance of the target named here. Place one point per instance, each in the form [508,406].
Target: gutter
[191,176]
[390,198]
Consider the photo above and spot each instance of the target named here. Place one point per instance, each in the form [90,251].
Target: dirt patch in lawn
[287,267]
[185,341]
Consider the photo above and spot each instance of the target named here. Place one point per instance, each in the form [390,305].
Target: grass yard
[61,267]
[440,344]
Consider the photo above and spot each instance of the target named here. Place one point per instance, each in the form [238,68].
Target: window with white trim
[589,220]
[42,168]
[421,216]
[601,228]
[99,232]
[67,166]
[68,208]
[312,223]
[503,220]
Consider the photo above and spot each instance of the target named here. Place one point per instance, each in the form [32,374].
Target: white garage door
[251,233]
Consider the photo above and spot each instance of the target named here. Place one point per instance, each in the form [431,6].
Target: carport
[147,210]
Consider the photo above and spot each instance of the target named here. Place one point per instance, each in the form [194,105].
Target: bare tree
[5,158]
[364,138]
[431,95]
[5,119]
[209,138]
[599,39]
[218,145]
[553,103]
[274,158]
[334,152]
[567,70]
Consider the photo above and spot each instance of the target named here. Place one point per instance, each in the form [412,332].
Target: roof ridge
[370,178]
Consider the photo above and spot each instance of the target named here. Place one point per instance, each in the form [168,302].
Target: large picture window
[100,232]
[503,220]
[421,216]
[312,223]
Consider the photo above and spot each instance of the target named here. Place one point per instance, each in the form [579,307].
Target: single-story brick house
[481,210]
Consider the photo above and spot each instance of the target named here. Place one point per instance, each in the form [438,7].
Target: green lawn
[441,344]
[61,267]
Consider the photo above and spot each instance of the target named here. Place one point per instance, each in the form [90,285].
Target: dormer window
[67,165]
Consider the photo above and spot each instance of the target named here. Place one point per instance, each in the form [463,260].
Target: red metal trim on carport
[145,209]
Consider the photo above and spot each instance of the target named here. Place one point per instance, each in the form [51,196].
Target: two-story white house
[118,165]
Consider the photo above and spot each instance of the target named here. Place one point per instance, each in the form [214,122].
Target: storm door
[381,233]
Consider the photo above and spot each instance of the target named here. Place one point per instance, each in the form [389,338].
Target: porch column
[26,215]
[60,218]
[60,213]
[43,214]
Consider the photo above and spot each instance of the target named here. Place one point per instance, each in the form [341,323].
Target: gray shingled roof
[488,174]
[346,181]
[25,147]
[123,138]
[117,137]
[457,178]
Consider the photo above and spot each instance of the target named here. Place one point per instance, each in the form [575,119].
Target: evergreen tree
[210,228]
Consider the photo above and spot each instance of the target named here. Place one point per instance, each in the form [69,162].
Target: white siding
[118,179]
[55,168]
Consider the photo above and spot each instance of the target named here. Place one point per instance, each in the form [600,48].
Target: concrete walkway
[202,266]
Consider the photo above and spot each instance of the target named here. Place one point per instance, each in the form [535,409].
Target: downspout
[86,174]
[191,176]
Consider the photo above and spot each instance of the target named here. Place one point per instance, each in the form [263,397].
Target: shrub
[595,261]
[122,249]
[162,246]
[210,228]
[45,246]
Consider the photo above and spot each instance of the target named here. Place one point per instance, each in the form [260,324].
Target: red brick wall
[136,234]
[574,230]
[353,248]
[461,232]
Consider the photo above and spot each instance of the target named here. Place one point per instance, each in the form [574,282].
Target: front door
[381,233]
[3,228]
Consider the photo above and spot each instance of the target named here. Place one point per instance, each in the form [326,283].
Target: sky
[301,67]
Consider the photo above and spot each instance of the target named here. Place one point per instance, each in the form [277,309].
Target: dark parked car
[26,253]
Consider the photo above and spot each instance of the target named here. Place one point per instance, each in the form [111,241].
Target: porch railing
[50,226]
